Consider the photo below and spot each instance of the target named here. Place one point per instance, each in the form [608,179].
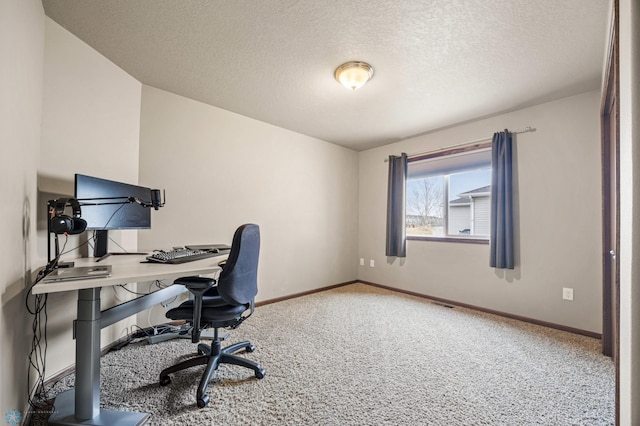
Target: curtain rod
[525,130]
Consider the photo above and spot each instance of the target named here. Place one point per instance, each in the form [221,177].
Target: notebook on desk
[78,273]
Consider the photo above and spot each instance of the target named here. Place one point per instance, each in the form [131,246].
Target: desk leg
[81,406]
[88,354]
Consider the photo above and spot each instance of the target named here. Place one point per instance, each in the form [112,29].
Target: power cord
[38,397]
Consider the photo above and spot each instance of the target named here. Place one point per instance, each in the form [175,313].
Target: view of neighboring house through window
[448,195]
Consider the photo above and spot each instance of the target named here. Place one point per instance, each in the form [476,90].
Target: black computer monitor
[105,206]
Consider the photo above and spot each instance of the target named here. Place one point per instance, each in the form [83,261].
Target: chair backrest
[238,281]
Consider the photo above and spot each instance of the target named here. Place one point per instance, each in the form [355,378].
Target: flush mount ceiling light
[353,75]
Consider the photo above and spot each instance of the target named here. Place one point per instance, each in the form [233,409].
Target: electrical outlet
[567,293]
[362,261]
[372,263]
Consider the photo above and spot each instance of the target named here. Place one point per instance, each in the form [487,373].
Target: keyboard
[180,256]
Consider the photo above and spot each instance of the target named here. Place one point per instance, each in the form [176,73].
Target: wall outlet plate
[567,293]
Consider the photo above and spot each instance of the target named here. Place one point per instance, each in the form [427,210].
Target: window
[448,195]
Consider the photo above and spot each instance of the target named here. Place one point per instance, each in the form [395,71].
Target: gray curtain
[396,237]
[501,237]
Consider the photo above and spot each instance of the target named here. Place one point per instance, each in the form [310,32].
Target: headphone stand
[57,251]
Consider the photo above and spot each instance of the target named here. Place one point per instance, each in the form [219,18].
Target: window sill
[451,240]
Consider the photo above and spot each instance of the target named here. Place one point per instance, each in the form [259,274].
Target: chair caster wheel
[203,401]
[260,374]
[164,381]
[203,349]
[250,348]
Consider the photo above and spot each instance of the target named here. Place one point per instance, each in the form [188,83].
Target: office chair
[221,305]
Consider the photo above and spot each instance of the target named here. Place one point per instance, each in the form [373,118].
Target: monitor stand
[101,244]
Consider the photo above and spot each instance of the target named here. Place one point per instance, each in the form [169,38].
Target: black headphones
[62,224]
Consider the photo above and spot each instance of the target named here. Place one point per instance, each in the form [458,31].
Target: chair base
[212,356]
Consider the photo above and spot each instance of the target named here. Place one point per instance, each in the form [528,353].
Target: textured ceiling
[437,62]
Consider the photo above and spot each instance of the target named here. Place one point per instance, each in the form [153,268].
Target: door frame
[611,216]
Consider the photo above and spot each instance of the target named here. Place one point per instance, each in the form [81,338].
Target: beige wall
[558,215]
[221,169]
[21,50]
[90,125]
[91,117]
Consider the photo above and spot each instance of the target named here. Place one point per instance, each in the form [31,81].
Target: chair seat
[212,311]
[194,279]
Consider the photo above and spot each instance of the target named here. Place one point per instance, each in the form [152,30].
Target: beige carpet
[360,355]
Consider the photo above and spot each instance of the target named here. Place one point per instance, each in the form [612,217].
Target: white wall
[21,50]
[221,169]
[557,173]
[90,125]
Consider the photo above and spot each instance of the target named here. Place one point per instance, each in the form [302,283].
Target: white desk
[81,406]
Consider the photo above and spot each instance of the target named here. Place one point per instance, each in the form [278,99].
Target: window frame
[444,153]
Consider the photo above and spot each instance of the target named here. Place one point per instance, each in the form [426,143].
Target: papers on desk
[78,273]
